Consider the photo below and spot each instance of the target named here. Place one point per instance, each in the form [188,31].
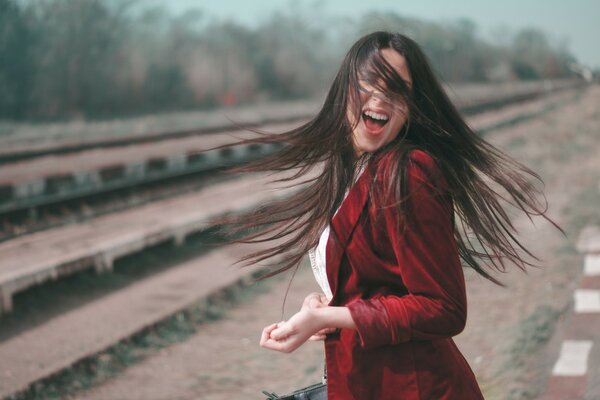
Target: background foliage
[63,59]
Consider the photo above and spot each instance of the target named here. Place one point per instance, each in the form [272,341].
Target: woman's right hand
[317,300]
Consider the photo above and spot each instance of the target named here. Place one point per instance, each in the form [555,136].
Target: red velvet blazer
[405,292]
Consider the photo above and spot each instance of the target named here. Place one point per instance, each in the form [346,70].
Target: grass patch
[534,331]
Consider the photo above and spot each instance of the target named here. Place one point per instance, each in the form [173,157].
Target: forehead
[398,62]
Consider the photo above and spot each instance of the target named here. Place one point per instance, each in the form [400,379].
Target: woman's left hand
[289,335]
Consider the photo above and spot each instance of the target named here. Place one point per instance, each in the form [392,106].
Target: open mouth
[374,121]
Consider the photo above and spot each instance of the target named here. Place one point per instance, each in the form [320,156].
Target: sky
[574,21]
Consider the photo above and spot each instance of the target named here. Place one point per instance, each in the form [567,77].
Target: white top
[316,255]
[318,263]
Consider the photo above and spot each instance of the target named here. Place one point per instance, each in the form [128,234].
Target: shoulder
[424,167]
[419,164]
[422,159]
[417,191]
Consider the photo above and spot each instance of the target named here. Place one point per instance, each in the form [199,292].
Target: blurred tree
[105,58]
[453,49]
[232,71]
[530,50]
[17,39]
[294,57]
[534,58]
[76,55]
[468,62]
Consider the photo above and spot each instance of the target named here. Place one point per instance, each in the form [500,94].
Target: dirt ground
[507,330]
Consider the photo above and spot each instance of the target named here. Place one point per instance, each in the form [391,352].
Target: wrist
[319,316]
[333,317]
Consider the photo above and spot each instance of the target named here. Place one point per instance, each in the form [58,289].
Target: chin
[369,148]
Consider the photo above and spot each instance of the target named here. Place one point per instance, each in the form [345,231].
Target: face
[382,118]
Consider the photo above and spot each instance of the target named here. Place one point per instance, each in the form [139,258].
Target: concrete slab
[60,342]
[36,258]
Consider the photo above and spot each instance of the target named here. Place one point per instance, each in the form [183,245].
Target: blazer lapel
[343,224]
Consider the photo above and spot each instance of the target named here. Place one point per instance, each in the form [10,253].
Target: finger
[272,345]
[266,333]
[277,327]
[310,299]
[325,331]
[320,301]
[281,346]
[281,332]
[314,302]
[316,337]
[307,298]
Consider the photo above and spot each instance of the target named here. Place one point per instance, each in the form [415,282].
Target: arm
[428,259]
[427,256]
[311,322]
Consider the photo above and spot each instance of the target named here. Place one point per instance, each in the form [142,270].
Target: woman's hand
[317,300]
[313,321]
[289,335]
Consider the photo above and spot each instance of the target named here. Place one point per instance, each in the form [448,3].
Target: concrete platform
[95,326]
[34,259]
[51,178]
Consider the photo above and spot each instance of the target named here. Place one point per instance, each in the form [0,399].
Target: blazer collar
[343,224]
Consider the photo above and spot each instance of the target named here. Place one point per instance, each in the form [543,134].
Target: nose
[374,97]
[377,97]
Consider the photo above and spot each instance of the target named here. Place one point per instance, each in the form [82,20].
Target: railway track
[24,141]
[71,182]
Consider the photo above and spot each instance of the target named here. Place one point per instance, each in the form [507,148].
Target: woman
[395,162]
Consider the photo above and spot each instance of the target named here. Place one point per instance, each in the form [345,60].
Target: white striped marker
[591,265]
[587,301]
[573,358]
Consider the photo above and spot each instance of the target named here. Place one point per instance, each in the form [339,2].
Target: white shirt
[317,257]
[318,262]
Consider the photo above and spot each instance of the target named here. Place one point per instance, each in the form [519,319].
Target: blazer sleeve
[429,264]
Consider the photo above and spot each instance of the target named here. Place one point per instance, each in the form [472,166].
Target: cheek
[400,118]
[393,135]
[354,107]
[351,119]
[395,128]
[398,123]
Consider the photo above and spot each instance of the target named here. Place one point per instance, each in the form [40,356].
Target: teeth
[374,115]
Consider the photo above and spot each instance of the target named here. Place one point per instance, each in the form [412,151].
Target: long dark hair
[321,155]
